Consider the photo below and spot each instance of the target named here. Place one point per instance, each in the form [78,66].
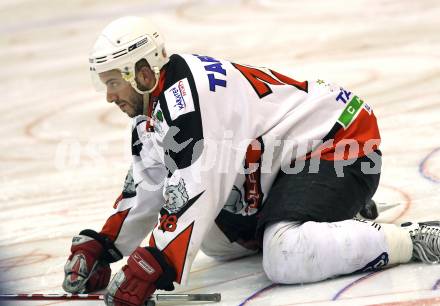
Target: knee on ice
[291,257]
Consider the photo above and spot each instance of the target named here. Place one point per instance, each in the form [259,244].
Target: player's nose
[111,97]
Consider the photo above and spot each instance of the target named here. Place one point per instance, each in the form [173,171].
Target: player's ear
[142,75]
[143,72]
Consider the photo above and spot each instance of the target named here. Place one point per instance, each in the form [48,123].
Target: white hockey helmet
[122,44]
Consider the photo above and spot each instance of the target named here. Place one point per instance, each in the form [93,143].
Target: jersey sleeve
[136,209]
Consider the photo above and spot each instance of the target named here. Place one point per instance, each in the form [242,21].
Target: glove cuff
[165,281]
[110,253]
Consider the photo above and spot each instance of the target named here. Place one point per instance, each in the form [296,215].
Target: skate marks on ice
[385,51]
[242,282]
[352,290]
[429,167]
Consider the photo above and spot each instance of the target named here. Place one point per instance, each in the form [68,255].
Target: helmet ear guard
[122,44]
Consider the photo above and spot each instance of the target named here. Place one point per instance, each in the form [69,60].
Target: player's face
[121,93]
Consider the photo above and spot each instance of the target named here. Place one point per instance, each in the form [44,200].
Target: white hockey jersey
[216,136]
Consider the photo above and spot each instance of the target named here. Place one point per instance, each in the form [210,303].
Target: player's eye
[113,84]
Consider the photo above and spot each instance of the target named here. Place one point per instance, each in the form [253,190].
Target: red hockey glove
[87,269]
[146,270]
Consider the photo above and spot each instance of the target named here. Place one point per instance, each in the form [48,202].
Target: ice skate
[426,240]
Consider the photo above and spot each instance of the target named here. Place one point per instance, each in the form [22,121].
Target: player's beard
[135,106]
[138,105]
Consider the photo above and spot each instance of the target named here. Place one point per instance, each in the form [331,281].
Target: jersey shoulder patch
[179,98]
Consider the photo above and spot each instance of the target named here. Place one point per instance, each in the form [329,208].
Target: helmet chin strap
[146,101]
[156,76]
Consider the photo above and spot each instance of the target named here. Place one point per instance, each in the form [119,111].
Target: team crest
[176,197]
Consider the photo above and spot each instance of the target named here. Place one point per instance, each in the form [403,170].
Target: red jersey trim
[364,131]
[177,250]
[113,225]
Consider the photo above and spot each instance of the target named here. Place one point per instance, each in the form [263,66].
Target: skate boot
[426,240]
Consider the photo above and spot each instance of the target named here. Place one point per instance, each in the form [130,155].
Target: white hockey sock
[315,251]
[400,246]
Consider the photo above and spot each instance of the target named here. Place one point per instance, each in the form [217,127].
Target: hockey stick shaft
[51,296]
[206,297]
[210,297]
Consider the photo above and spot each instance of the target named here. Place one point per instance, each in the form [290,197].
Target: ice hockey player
[234,159]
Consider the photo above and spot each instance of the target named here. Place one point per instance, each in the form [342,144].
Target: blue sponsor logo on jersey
[179,94]
[179,99]
[215,71]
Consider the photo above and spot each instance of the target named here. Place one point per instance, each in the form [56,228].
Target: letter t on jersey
[214,66]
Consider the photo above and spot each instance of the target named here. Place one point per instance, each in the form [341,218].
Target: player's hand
[87,269]
[146,270]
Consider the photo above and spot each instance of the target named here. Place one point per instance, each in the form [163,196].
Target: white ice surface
[63,154]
